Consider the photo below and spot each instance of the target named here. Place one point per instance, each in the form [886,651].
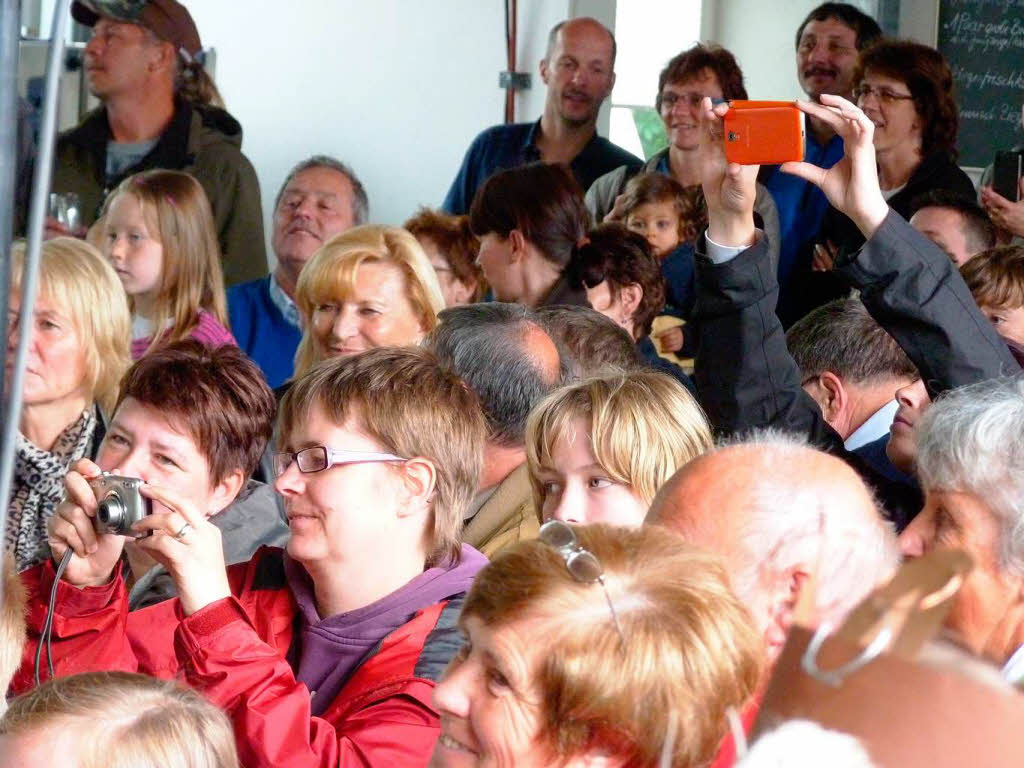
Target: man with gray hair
[503,353]
[970,462]
[780,512]
[321,197]
[851,368]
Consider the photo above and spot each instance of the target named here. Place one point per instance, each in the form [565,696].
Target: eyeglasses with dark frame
[321,457]
[883,94]
[582,564]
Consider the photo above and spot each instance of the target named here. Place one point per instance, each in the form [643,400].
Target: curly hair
[928,77]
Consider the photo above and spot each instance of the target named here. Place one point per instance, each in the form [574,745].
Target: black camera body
[119,504]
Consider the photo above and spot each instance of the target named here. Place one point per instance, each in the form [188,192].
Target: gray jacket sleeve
[913,290]
[601,196]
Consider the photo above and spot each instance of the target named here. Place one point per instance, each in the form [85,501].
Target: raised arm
[908,285]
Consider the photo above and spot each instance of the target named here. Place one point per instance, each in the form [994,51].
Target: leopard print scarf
[39,488]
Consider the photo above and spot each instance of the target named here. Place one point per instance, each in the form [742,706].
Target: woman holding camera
[78,349]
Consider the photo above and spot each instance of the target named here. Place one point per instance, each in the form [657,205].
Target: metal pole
[30,273]
[10,21]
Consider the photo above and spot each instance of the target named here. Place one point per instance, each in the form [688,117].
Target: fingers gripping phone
[763,132]
[1006,173]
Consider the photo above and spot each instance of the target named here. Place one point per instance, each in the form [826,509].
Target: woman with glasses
[697,72]
[324,653]
[906,90]
[599,450]
[594,645]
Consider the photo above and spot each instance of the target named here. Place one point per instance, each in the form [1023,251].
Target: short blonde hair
[415,407]
[643,427]
[691,650]
[125,720]
[331,275]
[178,215]
[12,626]
[74,276]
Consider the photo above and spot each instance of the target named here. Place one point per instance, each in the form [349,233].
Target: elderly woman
[78,349]
[644,650]
[368,287]
[452,248]
[325,653]
[115,720]
[970,462]
[531,221]
[599,450]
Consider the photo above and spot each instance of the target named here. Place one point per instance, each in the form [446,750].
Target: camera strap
[44,636]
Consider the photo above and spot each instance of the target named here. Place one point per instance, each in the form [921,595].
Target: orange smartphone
[763,132]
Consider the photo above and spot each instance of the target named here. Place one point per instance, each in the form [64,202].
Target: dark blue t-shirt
[509,146]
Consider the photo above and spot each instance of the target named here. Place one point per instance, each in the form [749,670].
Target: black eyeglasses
[320,457]
[883,94]
[583,564]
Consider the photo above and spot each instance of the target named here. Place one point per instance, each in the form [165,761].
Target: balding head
[779,511]
[505,356]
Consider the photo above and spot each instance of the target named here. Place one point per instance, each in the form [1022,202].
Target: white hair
[971,441]
[804,744]
[796,520]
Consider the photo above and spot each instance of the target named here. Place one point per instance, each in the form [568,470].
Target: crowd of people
[547,475]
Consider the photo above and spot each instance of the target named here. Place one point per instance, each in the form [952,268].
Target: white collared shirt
[877,425]
[283,302]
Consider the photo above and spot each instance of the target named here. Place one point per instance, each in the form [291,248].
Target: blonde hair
[76,278]
[126,720]
[996,277]
[12,626]
[643,427]
[412,405]
[179,217]
[331,275]
[690,649]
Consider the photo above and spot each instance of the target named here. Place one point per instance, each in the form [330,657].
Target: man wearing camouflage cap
[160,109]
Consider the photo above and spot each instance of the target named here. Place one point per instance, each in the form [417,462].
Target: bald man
[579,72]
[779,511]
[506,357]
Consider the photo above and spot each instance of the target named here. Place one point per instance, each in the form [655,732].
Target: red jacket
[235,651]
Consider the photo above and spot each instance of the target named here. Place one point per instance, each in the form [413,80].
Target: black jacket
[747,379]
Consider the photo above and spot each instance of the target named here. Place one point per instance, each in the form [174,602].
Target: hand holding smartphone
[763,132]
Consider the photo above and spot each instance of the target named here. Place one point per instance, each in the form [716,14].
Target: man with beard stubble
[578,70]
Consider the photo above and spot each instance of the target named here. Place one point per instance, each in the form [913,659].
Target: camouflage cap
[169,20]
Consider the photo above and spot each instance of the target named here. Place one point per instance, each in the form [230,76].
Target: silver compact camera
[119,504]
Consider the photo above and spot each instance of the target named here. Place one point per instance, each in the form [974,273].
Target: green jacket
[200,140]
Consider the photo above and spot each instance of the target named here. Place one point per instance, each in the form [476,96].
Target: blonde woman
[78,351]
[115,720]
[368,287]
[598,450]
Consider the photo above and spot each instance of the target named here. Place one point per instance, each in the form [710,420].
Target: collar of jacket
[171,150]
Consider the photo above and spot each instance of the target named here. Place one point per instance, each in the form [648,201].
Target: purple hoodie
[330,650]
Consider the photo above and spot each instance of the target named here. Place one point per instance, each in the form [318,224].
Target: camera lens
[111,513]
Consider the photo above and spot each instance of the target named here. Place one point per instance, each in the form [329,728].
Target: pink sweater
[208,330]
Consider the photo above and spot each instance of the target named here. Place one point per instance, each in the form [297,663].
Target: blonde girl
[158,234]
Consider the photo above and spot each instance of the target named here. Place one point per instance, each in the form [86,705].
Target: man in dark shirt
[578,70]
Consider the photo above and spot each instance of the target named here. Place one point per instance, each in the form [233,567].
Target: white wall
[396,88]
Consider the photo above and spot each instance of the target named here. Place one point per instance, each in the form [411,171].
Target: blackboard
[983,41]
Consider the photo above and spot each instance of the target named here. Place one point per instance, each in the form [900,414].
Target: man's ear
[837,399]
[420,480]
[630,297]
[785,593]
[544,70]
[163,57]
[517,244]
[225,492]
